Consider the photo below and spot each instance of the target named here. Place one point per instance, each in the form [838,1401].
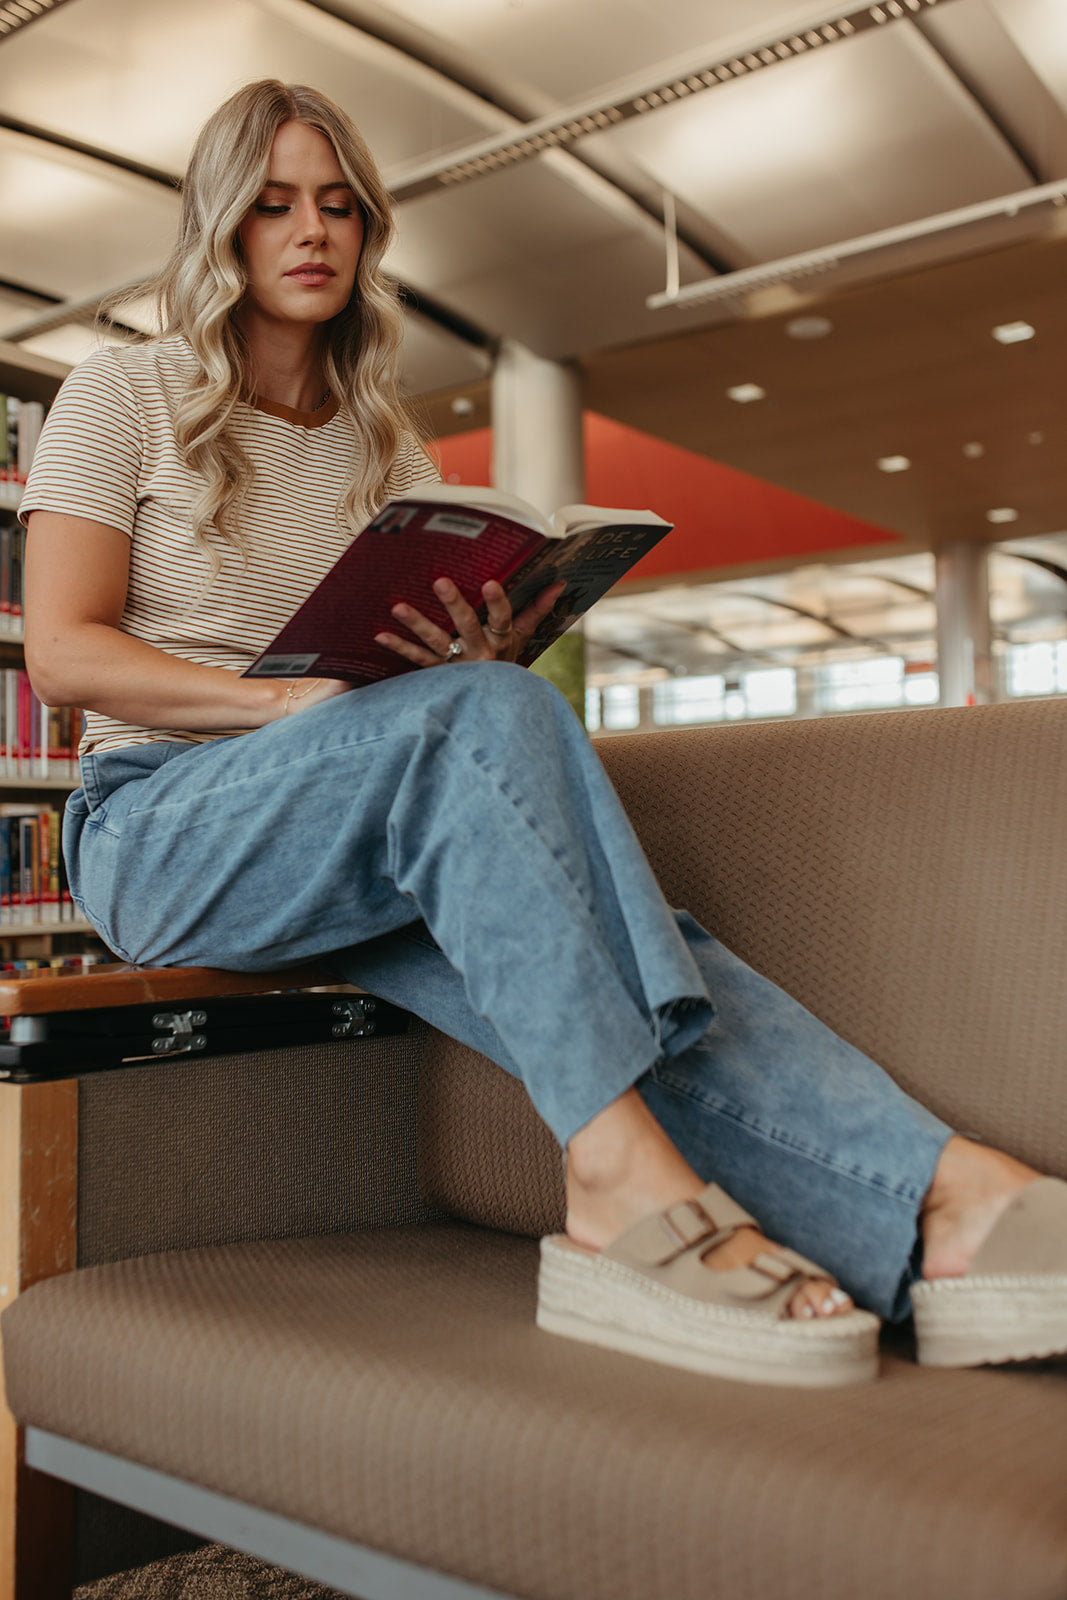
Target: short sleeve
[88,459]
[411,466]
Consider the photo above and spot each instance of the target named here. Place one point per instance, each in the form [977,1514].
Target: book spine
[18,550]
[5,871]
[14,835]
[30,422]
[66,903]
[6,538]
[29,870]
[11,439]
[50,866]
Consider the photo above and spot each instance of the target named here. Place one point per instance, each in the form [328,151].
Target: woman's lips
[312,275]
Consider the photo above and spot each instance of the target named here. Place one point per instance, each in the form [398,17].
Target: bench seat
[390,1387]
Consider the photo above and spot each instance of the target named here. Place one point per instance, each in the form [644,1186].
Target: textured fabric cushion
[904,876]
[391,1386]
[307,1139]
[484,1153]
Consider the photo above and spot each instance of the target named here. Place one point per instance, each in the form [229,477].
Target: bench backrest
[903,875]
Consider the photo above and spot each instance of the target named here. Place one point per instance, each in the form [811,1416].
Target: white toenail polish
[839,1297]
[829,1305]
[807,1310]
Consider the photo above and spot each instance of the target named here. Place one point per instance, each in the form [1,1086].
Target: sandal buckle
[687,1224]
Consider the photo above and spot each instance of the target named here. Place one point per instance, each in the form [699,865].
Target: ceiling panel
[1039,28]
[568,49]
[92,71]
[836,143]
[73,226]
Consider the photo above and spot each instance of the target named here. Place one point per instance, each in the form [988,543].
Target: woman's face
[301,240]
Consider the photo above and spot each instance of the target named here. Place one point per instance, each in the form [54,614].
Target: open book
[470,536]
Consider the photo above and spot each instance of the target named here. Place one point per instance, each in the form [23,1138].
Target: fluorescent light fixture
[1013,332]
[1002,514]
[745,393]
[893,463]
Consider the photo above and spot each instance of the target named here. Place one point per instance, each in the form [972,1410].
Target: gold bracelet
[290,696]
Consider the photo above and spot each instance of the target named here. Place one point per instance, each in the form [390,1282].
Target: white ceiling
[962,102]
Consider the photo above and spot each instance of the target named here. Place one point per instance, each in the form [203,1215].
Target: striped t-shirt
[108,453]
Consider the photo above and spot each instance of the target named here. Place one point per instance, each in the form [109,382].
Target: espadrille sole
[974,1322]
[588,1297]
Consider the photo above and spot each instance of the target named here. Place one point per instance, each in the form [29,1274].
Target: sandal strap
[702,1223]
[670,1246]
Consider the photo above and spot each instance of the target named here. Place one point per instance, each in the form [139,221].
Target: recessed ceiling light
[745,393]
[809,327]
[1037,437]
[462,405]
[1013,332]
[1002,514]
[893,463]
[974,451]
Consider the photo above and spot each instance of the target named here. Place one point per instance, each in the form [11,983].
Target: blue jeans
[450,841]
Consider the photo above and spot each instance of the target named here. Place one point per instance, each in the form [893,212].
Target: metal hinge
[354,1018]
[178,1035]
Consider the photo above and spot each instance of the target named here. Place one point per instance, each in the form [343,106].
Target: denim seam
[907,1196]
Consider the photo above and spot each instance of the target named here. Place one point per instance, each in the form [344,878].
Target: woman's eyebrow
[323,188]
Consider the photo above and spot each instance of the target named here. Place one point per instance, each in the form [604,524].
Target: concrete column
[537,428]
[964,631]
[538,454]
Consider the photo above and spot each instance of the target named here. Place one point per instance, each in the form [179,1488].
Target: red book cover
[470,536]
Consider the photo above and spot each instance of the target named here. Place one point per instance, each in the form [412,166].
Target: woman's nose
[310,226]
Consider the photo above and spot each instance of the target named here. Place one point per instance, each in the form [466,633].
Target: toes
[820,1300]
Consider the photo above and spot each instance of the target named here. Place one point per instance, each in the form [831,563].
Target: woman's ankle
[972,1187]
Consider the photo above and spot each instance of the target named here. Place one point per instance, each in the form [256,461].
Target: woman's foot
[972,1188]
[621,1167]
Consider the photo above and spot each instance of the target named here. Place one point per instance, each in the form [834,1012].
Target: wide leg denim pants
[449,840]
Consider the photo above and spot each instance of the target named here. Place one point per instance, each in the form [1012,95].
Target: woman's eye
[338,211]
[270,211]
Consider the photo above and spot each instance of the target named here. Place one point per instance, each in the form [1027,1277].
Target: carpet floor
[210,1573]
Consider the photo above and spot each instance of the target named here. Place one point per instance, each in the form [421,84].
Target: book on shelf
[36,741]
[33,880]
[20,428]
[471,536]
[12,563]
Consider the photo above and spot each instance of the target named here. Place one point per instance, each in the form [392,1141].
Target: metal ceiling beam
[95,152]
[981,101]
[789,269]
[430,51]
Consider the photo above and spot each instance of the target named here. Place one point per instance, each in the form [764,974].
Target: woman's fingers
[530,616]
[500,637]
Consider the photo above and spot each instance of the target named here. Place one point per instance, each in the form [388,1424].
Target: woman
[447,838]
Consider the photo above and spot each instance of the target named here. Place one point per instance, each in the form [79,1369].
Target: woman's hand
[502,637]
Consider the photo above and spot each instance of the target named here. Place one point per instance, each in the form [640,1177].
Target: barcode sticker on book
[455,522]
[282,666]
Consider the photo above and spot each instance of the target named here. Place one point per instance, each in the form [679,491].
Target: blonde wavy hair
[203,283]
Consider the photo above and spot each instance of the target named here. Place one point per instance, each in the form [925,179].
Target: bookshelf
[33,377]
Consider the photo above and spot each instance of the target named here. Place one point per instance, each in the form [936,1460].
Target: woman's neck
[287,366]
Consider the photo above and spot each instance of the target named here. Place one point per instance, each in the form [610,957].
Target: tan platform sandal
[1012,1304]
[650,1294]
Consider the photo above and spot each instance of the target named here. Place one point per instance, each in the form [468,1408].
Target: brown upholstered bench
[302,1316]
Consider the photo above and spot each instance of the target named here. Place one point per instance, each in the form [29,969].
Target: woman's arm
[77,572]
